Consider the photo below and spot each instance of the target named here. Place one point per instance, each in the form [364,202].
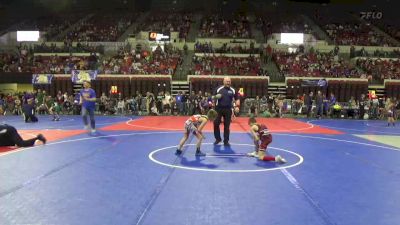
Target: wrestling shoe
[252,154]
[178,152]
[200,153]
[279,159]
[217,141]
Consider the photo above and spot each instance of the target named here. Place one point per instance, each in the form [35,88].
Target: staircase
[194,28]
[178,86]
[277,88]
[132,29]
[321,33]
[62,35]
[255,31]
[273,71]
[184,69]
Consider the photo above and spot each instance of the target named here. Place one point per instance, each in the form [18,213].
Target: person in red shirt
[262,138]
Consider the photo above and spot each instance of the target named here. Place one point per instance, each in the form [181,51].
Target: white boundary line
[160,128]
[81,139]
[168,132]
[156,128]
[222,170]
[384,127]
[341,140]
[342,128]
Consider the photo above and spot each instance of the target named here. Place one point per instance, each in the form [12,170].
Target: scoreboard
[164,37]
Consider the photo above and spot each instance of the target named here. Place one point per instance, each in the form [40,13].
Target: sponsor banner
[79,76]
[154,36]
[42,78]
[314,83]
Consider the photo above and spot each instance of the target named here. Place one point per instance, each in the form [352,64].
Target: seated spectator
[103,28]
[237,49]
[219,26]
[314,64]
[353,33]
[380,69]
[168,22]
[220,65]
[157,62]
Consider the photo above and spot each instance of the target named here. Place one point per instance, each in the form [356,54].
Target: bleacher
[223,47]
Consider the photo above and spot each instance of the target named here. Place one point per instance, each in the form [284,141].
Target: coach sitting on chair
[224,96]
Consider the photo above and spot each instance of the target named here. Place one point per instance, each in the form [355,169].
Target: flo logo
[371,15]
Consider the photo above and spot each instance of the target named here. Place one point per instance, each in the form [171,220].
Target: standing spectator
[102,104]
[17,106]
[390,111]
[332,102]
[397,108]
[184,100]
[121,106]
[263,104]
[167,103]
[361,106]
[308,101]
[351,112]
[87,100]
[319,102]
[139,99]
[279,105]
[271,101]
[178,102]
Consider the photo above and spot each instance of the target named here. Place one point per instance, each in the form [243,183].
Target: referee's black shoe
[217,141]
[226,143]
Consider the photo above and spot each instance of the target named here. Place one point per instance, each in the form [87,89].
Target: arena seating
[222,26]
[380,69]
[314,65]
[165,22]
[101,27]
[219,65]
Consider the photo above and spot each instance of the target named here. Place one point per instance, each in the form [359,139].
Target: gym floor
[343,172]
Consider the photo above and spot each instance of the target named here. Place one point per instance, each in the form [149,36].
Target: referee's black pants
[227,114]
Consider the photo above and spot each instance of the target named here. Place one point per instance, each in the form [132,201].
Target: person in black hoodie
[308,101]
[10,137]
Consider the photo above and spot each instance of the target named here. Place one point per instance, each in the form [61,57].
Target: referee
[224,97]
